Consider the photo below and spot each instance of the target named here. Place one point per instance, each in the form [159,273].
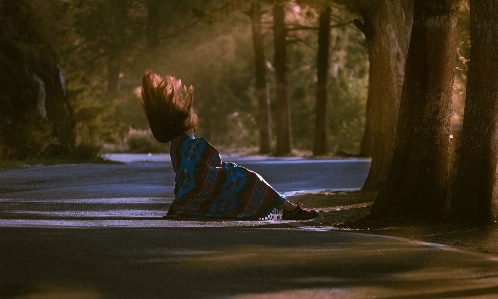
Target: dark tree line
[281,38]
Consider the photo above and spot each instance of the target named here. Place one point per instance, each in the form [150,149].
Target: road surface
[95,231]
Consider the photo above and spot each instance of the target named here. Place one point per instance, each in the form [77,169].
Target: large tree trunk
[36,118]
[473,194]
[262,90]
[320,143]
[284,135]
[417,177]
[387,27]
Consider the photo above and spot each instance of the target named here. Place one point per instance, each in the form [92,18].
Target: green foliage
[142,141]
[39,138]
[86,151]
[91,108]
[242,130]
[347,84]
[347,117]
[31,138]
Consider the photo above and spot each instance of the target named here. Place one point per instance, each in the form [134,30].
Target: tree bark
[262,90]
[473,192]
[153,23]
[417,178]
[116,46]
[367,142]
[387,27]
[320,142]
[21,119]
[284,132]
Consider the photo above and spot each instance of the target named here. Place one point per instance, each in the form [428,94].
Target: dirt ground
[348,211]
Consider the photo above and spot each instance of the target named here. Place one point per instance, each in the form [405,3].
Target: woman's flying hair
[167,104]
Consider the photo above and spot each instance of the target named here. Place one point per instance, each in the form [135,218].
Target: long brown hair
[167,104]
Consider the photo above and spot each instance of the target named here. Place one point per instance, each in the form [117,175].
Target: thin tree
[153,23]
[116,44]
[262,90]
[387,26]
[323,57]
[283,113]
[417,178]
[473,189]
[320,142]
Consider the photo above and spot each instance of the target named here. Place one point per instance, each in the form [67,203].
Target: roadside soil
[348,211]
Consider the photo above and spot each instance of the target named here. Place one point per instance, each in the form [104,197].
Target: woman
[206,187]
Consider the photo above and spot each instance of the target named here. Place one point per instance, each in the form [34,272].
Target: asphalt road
[144,189]
[95,231]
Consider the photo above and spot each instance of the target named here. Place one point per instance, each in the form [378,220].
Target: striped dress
[206,187]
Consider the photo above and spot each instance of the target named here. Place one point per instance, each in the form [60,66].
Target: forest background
[103,48]
[208,44]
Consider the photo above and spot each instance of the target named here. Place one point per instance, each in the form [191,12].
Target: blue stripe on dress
[190,156]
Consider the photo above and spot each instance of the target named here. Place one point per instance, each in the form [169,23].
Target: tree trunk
[387,27]
[320,143]
[367,142]
[116,46]
[284,134]
[262,90]
[153,23]
[28,79]
[417,177]
[473,193]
